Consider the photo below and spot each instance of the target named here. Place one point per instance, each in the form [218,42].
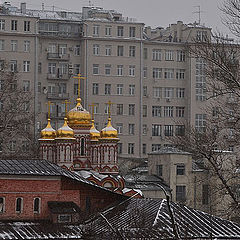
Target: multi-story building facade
[155,87]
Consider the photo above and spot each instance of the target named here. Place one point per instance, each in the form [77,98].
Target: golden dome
[79,116]
[65,131]
[94,133]
[109,132]
[48,132]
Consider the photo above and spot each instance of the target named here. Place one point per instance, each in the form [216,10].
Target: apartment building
[147,74]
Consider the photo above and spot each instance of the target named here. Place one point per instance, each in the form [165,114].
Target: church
[78,146]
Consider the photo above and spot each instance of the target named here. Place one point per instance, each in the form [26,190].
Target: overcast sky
[151,12]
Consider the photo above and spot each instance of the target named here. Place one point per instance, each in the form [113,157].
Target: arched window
[19,205]
[82,153]
[36,205]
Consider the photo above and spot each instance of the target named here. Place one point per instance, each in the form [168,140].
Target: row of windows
[14,47]
[19,205]
[120,31]
[108,70]
[14,66]
[180,169]
[61,49]
[25,85]
[15,25]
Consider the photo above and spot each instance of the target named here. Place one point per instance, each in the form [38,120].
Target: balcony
[58,56]
[57,95]
[58,76]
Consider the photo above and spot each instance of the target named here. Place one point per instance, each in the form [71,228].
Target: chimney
[23,8]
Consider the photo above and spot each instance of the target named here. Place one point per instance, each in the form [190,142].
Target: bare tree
[17,118]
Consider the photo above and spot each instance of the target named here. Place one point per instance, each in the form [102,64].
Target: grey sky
[151,12]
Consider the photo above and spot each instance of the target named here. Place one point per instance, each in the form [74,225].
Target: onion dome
[48,132]
[109,132]
[94,133]
[65,132]
[79,116]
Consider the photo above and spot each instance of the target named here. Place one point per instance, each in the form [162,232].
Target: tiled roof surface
[149,219]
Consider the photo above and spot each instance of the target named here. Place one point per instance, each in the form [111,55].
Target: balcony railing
[58,95]
[58,76]
[58,56]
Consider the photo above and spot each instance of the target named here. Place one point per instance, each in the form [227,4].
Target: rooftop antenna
[43,7]
[90,3]
[199,13]
[53,8]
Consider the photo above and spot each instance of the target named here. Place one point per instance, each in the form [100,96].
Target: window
[1,109]
[205,194]
[120,51]
[168,111]
[200,79]
[145,53]
[63,69]
[2,24]
[131,128]
[26,106]
[119,127]
[52,68]
[52,48]
[62,48]
[157,73]
[107,89]
[145,72]
[26,46]
[25,146]
[77,69]
[107,69]
[36,205]
[180,193]
[96,30]
[144,112]
[26,86]
[132,70]
[119,109]
[168,130]
[119,70]
[120,31]
[156,130]
[64,218]
[26,26]
[200,122]
[130,148]
[181,56]
[1,85]
[156,55]
[106,108]
[96,49]
[13,65]
[156,111]
[108,30]
[180,73]
[168,92]
[26,66]
[95,88]
[77,50]
[131,89]
[119,89]
[132,32]
[14,25]
[108,50]
[131,109]
[2,45]
[144,148]
[96,110]
[156,147]
[120,146]
[180,169]
[180,92]
[169,55]
[169,73]
[2,204]
[14,45]
[159,170]
[95,69]
[180,130]
[19,205]
[145,91]
[157,92]
[132,51]
[180,111]
[201,36]
[144,129]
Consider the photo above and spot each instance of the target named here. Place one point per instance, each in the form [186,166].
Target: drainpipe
[141,100]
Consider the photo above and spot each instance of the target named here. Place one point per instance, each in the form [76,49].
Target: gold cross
[92,105]
[79,77]
[66,103]
[49,110]
[109,108]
